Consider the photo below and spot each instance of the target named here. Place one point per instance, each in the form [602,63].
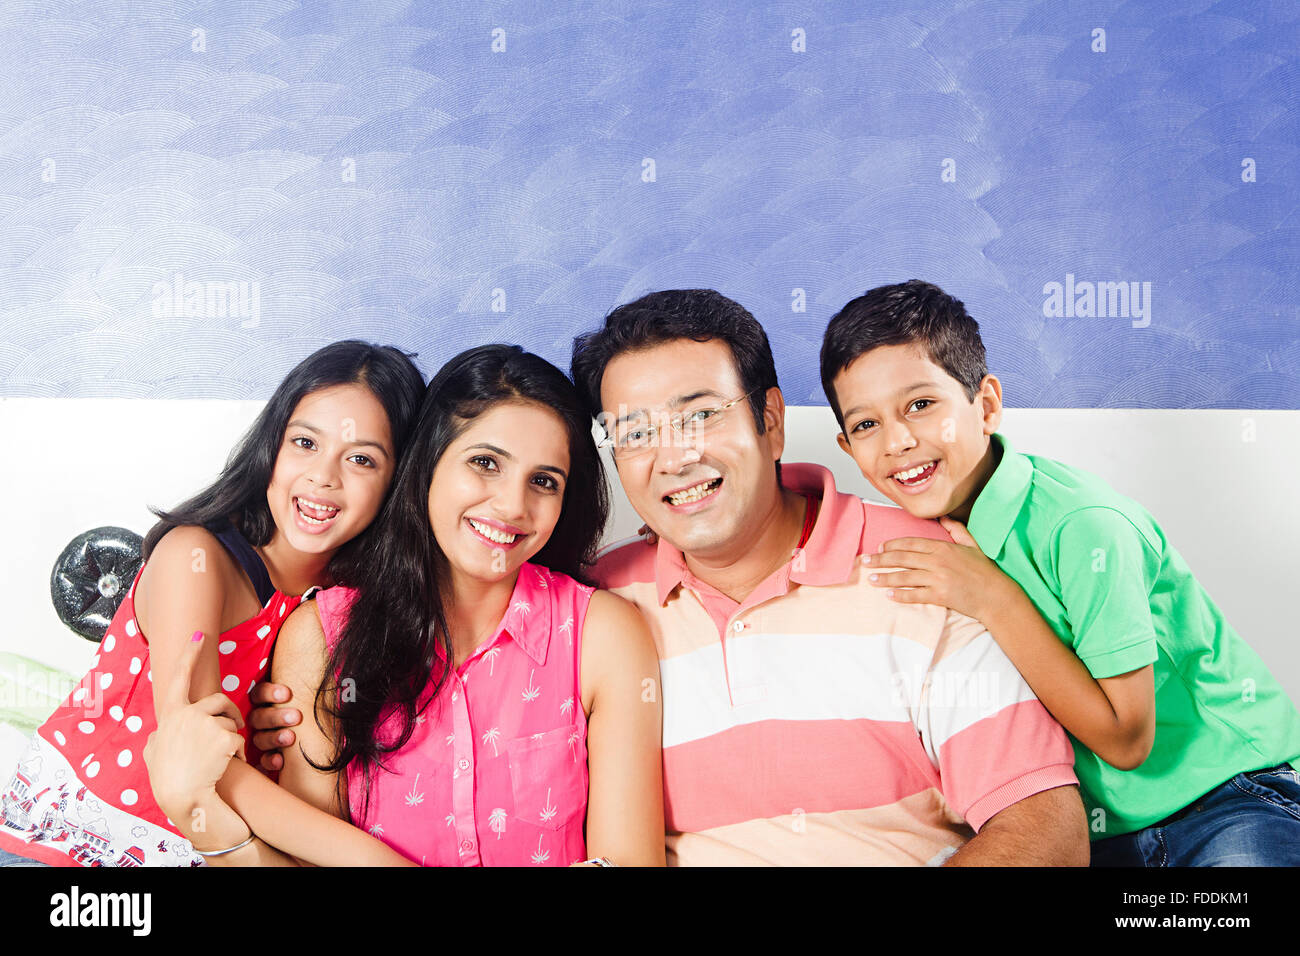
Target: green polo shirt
[1103,576]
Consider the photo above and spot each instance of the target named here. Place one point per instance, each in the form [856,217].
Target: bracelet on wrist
[206,853]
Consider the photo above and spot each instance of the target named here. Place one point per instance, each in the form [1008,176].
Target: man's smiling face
[700,493]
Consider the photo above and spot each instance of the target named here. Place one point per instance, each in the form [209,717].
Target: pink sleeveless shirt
[495,773]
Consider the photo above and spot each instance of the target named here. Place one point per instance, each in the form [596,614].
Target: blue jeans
[1252,820]
[13,859]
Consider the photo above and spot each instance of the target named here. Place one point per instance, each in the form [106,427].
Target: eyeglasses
[634,439]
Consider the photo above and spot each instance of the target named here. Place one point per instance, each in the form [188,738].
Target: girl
[474,702]
[232,561]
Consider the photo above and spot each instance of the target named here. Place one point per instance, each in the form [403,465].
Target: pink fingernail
[198,636]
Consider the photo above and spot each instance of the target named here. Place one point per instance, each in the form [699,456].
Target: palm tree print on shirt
[491,737]
[497,821]
[414,799]
[530,692]
[491,657]
[541,856]
[547,813]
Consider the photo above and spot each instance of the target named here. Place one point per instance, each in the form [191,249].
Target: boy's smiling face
[913,432]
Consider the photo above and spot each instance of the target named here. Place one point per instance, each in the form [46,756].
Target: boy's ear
[990,398]
[844,443]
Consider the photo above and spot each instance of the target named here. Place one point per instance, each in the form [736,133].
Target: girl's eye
[547,482]
[484,462]
[303,438]
[362,460]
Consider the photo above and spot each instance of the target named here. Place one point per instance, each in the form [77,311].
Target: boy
[1183,740]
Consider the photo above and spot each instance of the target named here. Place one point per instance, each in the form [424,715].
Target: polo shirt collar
[527,620]
[831,552]
[998,505]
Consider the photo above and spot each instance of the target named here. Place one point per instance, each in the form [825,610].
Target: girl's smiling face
[332,470]
[497,491]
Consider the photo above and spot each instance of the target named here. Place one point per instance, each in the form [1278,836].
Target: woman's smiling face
[497,491]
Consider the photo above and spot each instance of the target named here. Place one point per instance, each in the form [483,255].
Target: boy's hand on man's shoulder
[953,574]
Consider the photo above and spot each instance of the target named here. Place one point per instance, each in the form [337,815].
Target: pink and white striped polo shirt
[818,722]
[496,771]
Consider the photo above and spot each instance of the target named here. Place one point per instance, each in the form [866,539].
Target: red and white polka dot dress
[81,794]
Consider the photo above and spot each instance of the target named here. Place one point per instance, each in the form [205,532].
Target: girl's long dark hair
[239,493]
[388,646]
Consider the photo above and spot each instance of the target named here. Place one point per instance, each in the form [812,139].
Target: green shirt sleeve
[1105,570]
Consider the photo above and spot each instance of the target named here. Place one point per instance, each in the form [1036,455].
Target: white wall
[1221,483]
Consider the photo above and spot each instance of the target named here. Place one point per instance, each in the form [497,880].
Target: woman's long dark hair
[239,493]
[388,646]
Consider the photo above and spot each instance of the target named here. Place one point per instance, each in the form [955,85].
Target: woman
[475,703]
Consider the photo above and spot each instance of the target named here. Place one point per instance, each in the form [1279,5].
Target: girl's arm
[295,822]
[184,590]
[620,692]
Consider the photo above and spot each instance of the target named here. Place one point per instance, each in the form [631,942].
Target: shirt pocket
[548,778]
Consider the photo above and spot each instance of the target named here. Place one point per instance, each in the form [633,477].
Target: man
[807,719]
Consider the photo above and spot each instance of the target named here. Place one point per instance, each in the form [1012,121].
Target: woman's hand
[194,742]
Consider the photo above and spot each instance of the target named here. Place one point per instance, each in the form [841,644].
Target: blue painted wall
[441,174]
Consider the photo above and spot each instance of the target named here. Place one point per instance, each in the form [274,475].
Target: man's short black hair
[908,313]
[698,314]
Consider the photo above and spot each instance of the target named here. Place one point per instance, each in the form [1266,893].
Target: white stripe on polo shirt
[792,677]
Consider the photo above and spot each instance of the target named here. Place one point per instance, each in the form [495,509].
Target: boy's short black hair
[912,312]
[698,314]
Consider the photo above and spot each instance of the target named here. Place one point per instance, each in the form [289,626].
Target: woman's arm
[296,822]
[620,692]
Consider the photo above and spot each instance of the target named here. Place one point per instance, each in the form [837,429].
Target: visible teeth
[325,511]
[694,493]
[492,534]
[912,472]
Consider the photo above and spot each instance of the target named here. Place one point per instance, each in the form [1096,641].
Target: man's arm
[1046,829]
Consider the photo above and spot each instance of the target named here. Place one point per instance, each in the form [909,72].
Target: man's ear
[990,398]
[774,421]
